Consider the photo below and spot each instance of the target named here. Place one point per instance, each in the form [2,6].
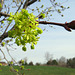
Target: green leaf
[32,46]
[40,31]
[24,48]
[10,19]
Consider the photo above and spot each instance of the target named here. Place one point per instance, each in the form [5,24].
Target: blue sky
[56,40]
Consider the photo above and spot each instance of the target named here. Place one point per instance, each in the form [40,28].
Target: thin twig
[4,55]
[19,7]
[25,4]
[10,55]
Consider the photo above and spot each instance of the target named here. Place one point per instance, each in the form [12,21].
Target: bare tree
[62,61]
[25,60]
[48,56]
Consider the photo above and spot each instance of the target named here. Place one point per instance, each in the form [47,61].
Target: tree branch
[10,55]
[4,14]
[67,26]
[54,23]
[19,7]
[4,55]
[5,35]
[28,3]
[25,4]
[33,1]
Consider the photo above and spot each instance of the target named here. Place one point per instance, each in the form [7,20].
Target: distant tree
[38,64]
[31,63]
[48,56]
[25,61]
[71,62]
[49,62]
[62,61]
[54,62]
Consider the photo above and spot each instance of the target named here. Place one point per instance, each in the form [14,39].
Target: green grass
[40,70]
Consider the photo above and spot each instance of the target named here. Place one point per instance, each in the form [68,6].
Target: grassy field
[39,70]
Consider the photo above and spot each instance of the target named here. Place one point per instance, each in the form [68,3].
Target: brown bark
[5,35]
[54,23]
[4,14]
[28,3]
[67,26]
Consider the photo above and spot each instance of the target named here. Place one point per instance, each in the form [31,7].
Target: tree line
[62,61]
